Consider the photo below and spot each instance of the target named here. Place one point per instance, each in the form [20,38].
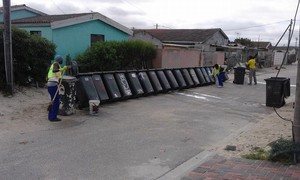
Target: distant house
[237,53]
[290,57]
[184,47]
[192,37]
[263,49]
[72,33]
[21,11]
[261,45]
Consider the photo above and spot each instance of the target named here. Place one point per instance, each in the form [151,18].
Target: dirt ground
[260,134]
[26,111]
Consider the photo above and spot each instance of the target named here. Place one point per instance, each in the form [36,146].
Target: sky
[257,20]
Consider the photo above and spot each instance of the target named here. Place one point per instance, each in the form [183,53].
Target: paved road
[144,138]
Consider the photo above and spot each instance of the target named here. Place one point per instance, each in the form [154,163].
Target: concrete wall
[177,58]
[217,39]
[211,58]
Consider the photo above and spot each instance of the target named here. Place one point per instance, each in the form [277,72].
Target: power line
[140,9]
[256,26]
[58,7]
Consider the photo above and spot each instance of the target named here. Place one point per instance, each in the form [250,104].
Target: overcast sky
[258,20]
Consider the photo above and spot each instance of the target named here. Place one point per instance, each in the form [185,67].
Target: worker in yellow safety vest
[251,63]
[53,79]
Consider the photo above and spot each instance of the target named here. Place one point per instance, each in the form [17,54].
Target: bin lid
[276,79]
[239,67]
[68,77]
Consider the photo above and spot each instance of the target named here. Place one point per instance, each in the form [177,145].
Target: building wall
[76,39]
[46,31]
[157,62]
[217,39]
[177,58]
[278,58]
[211,58]
[19,14]
[147,38]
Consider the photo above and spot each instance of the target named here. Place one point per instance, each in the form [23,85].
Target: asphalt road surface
[137,139]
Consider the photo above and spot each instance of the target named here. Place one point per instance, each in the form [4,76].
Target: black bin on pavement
[85,90]
[145,82]
[187,77]
[171,78]
[100,87]
[154,81]
[123,85]
[134,84]
[112,86]
[209,72]
[163,80]
[200,76]
[68,98]
[194,76]
[239,75]
[206,76]
[277,89]
[179,78]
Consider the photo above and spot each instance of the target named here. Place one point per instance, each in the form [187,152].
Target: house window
[38,33]
[97,38]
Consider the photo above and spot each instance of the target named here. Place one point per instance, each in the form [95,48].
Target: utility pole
[8,46]
[296,123]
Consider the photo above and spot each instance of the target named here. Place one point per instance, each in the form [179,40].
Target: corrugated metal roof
[261,44]
[172,35]
[47,18]
[23,7]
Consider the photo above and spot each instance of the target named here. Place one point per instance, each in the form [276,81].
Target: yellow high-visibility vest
[54,76]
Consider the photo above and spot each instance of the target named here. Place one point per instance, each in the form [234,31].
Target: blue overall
[52,115]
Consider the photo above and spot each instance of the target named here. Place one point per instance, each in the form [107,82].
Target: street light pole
[8,46]
[296,123]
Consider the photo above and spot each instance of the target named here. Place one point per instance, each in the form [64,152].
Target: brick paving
[220,167]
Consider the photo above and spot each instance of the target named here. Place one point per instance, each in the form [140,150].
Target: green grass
[258,154]
[281,150]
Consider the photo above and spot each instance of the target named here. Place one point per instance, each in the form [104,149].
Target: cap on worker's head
[59,59]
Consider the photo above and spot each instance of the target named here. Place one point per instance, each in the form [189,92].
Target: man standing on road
[54,77]
[252,69]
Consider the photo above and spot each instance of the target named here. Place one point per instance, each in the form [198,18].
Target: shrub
[31,57]
[283,150]
[113,55]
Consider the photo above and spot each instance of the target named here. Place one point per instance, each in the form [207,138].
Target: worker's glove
[65,68]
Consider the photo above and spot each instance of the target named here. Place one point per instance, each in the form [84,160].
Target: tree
[244,42]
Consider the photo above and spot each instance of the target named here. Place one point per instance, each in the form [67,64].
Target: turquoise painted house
[21,11]
[72,33]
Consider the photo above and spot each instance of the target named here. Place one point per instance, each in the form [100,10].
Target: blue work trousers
[221,77]
[52,115]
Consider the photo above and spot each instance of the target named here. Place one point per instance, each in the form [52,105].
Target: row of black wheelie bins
[113,86]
